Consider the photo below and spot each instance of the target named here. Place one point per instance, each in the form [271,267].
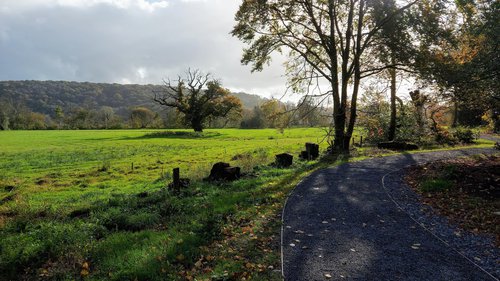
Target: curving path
[491,137]
[341,224]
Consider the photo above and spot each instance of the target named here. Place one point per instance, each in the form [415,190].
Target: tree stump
[284,160]
[394,145]
[224,172]
[304,155]
[311,152]
[231,173]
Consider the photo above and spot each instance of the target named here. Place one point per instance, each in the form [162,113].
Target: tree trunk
[392,125]
[455,114]
[357,79]
[197,125]
[339,123]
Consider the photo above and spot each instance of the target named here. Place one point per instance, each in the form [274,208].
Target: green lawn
[70,205]
[93,204]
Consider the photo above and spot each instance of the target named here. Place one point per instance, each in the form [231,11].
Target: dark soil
[472,199]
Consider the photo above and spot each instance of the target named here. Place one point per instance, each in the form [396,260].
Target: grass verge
[465,190]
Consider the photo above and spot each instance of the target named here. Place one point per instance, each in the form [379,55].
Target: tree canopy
[325,41]
[197,96]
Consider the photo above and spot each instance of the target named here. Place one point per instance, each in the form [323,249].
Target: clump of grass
[436,185]
[181,134]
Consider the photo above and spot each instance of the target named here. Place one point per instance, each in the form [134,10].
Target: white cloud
[142,73]
[121,41]
[149,6]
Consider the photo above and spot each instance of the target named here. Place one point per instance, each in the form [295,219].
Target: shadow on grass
[177,135]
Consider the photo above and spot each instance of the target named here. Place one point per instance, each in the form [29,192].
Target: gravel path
[345,223]
[490,137]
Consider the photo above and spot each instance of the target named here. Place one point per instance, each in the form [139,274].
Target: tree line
[40,105]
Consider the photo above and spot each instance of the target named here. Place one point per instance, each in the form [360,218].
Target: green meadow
[93,204]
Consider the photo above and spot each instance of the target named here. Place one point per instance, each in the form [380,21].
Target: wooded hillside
[44,96]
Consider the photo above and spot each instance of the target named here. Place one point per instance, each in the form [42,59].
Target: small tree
[274,113]
[255,120]
[105,116]
[197,96]
[59,116]
[142,117]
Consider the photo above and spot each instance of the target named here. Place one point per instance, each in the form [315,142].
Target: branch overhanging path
[341,223]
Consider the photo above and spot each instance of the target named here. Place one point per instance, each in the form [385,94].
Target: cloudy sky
[126,41]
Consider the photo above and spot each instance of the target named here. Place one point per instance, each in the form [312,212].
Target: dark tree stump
[394,145]
[304,155]
[231,173]
[218,170]
[224,172]
[311,152]
[284,160]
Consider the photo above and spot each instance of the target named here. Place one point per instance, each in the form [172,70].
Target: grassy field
[93,204]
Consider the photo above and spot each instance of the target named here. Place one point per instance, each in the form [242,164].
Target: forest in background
[38,105]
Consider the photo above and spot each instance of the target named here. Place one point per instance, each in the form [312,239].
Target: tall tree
[197,96]
[326,40]
[395,50]
[465,61]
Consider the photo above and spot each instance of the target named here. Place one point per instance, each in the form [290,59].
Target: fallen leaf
[84,273]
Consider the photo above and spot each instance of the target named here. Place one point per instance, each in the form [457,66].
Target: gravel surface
[490,137]
[342,224]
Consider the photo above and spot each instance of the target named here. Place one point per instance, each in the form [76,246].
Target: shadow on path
[340,222]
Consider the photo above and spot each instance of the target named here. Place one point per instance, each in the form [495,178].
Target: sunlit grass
[98,198]
[71,197]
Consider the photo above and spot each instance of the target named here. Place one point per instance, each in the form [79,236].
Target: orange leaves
[247,229]
[85,269]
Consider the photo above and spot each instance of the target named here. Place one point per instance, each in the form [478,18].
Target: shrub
[443,136]
[465,135]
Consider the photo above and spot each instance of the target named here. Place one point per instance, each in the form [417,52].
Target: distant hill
[45,96]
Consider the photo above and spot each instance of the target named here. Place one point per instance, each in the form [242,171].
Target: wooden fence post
[176,178]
